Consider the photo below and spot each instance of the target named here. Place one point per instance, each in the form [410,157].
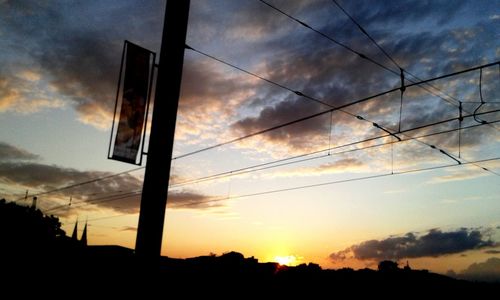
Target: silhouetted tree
[232,257]
[388,266]
[27,229]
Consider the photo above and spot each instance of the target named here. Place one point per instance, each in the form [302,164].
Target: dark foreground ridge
[35,252]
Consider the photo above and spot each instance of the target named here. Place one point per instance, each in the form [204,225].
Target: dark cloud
[83,67]
[488,270]
[121,193]
[11,153]
[209,88]
[342,165]
[79,59]
[284,112]
[129,228]
[7,93]
[393,14]
[493,251]
[192,200]
[318,68]
[77,47]
[125,189]
[432,244]
[48,177]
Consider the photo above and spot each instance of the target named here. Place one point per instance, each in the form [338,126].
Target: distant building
[83,240]
[407,267]
[74,236]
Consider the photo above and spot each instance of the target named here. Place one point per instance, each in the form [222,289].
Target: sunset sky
[326,203]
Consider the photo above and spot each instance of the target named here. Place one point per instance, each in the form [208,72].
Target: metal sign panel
[129,137]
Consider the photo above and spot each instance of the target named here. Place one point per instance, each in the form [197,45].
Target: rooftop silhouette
[34,245]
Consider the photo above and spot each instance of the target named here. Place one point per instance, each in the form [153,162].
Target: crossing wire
[332,109]
[339,181]
[268,165]
[82,183]
[291,160]
[361,55]
[361,100]
[458,102]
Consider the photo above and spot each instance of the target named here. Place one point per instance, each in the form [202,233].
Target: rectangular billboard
[134,101]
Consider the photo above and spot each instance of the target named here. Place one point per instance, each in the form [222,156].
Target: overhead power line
[298,93]
[82,183]
[338,182]
[313,185]
[365,32]
[340,107]
[361,55]
[403,86]
[104,218]
[95,201]
[301,158]
[133,193]
[277,163]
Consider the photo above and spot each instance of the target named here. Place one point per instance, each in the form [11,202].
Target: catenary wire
[358,53]
[457,102]
[340,107]
[82,183]
[292,160]
[338,182]
[260,167]
[271,128]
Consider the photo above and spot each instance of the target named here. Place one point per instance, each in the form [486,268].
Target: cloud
[30,75]
[333,75]
[434,243]
[48,177]
[76,62]
[470,173]
[129,228]
[87,76]
[292,137]
[23,95]
[192,200]
[390,14]
[125,189]
[120,193]
[488,270]
[11,153]
[77,59]
[212,91]
[8,94]
[465,173]
[342,165]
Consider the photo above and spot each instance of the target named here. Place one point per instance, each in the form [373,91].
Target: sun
[285,260]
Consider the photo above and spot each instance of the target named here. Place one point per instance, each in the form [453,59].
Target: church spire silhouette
[74,236]
[83,241]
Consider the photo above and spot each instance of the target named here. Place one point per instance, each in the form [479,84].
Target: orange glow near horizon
[288,260]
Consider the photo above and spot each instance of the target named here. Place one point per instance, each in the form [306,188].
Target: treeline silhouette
[35,249]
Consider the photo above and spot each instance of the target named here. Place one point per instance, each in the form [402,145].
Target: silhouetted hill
[36,250]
